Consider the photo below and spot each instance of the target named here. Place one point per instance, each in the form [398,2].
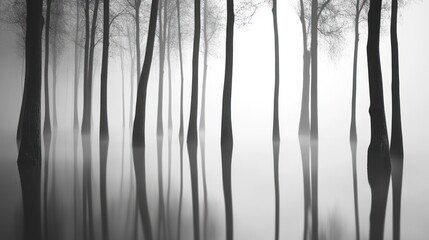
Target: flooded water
[71,189]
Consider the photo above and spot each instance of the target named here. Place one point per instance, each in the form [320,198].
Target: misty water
[71,197]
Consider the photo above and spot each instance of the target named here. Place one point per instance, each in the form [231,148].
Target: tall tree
[192,139]
[29,156]
[378,150]
[353,135]
[104,128]
[276,134]
[226,128]
[87,96]
[181,138]
[47,123]
[396,144]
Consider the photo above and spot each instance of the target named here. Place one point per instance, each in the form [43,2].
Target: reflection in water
[314,147]
[140,173]
[30,186]
[192,151]
[47,147]
[104,146]
[226,149]
[203,166]
[304,144]
[353,148]
[161,208]
[87,211]
[276,151]
[181,141]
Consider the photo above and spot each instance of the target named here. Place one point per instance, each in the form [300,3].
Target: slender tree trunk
[203,119]
[378,150]
[276,134]
[55,75]
[87,99]
[137,19]
[76,70]
[139,122]
[29,156]
[47,123]
[170,129]
[160,128]
[104,126]
[123,88]
[181,138]
[132,58]
[353,135]
[396,145]
[192,139]
[226,128]
[314,122]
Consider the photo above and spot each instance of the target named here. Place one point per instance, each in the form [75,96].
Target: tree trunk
[203,119]
[181,138]
[276,134]
[396,147]
[353,135]
[226,128]
[314,145]
[87,99]
[55,75]
[104,126]
[170,130]
[192,139]
[137,19]
[86,83]
[47,123]
[29,156]
[139,120]
[76,71]
[123,88]
[132,58]
[378,150]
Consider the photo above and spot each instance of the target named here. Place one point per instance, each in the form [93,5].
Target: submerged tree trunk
[276,134]
[47,123]
[181,138]
[87,98]
[396,145]
[226,128]
[29,156]
[378,150]
[192,139]
[314,132]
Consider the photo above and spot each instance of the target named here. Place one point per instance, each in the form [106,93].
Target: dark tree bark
[87,95]
[139,120]
[47,123]
[104,127]
[396,145]
[314,132]
[378,150]
[276,134]
[137,19]
[29,156]
[192,139]
[181,138]
[226,128]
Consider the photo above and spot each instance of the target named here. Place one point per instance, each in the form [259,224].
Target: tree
[226,128]
[192,139]
[378,150]
[396,144]
[29,156]
[47,124]
[276,134]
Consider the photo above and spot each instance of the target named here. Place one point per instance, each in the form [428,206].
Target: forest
[206,119]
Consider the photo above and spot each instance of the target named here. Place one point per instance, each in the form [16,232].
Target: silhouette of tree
[396,144]
[378,150]
[226,128]
[29,156]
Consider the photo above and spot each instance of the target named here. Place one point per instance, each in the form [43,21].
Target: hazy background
[252,106]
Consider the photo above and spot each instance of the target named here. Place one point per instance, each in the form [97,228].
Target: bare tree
[378,150]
